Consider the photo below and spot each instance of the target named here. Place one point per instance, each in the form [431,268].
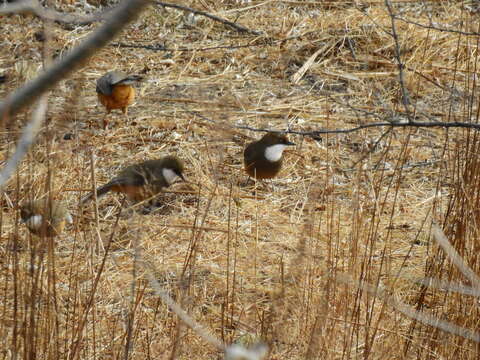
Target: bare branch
[120,16]
[428,124]
[79,326]
[315,134]
[167,299]
[232,352]
[26,140]
[34,7]
[437,28]
[457,260]
[237,27]
[161,47]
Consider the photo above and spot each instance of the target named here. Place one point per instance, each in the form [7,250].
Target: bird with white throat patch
[45,217]
[263,158]
[143,180]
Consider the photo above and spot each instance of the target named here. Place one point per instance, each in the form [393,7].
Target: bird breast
[34,222]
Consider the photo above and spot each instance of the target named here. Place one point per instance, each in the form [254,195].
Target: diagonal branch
[455,257]
[237,27]
[232,352]
[410,312]
[26,140]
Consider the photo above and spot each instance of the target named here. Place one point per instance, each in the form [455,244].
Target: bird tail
[102,190]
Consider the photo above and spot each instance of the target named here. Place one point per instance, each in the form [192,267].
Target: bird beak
[182,177]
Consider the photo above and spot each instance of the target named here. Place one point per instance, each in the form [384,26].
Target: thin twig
[434,82]
[372,149]
[237,27]
[130,317]
[400,65]
[315,134]
[437,28]
[167,299]
[190,258]
[119,17]
[161,47]
[94,192]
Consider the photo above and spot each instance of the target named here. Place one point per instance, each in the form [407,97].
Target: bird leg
[268,185]
[246,181]
[105,121]
[125,113]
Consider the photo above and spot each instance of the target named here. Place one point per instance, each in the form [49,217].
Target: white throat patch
[34,221]
[274,153]
[69,218]
[169,175]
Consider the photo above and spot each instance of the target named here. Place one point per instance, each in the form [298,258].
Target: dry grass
[250,266]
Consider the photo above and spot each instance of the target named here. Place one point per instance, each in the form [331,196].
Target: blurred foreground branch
[26,140]
[232,352]
[421,316]
[455,257]
[411,312]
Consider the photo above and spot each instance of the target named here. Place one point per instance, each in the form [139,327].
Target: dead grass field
[268,265]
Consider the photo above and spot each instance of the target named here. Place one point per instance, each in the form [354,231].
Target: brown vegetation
[280,264]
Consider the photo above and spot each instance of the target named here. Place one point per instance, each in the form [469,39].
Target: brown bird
[44,218]
[263,158]
[144,180]
[115,91]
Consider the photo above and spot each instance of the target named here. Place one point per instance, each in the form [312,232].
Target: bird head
[274,144]
[172,169]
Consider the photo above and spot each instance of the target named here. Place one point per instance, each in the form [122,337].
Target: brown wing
[249,154]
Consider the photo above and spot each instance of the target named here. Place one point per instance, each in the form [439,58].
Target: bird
[115,91]
[263,158]
[143,180]
[45,218]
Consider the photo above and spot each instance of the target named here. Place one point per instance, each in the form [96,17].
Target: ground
[280,261]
